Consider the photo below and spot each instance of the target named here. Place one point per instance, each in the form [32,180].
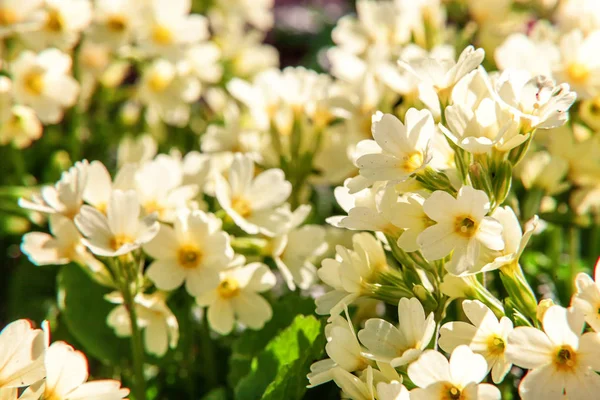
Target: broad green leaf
[216,394]
[251,342]
[279,371]
[84,311]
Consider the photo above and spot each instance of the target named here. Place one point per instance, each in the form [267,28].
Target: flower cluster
[449,133]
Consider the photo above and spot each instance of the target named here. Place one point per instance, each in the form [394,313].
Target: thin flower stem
[574,239]
[137,348]
[208,353]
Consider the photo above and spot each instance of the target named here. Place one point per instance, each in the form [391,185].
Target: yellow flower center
[242,206]
[412,161]
[7,16]
[451,392]
[55,22]
[51,395]
[565,358]
[228,288]
[496,345]
[158,82]
[162,35]
[34,83]
[119,241]
[578,72]
[153,206]
[116,23]
[465,226]
[189,256]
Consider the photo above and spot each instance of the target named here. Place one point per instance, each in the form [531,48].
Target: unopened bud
[425,297]
[480,178]
[501,181]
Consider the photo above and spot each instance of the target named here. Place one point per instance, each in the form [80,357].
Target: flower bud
[542,307]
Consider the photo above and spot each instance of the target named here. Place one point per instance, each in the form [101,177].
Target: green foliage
[251,343]
[84,311]
[279,371]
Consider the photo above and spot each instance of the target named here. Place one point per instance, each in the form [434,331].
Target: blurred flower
[22,356]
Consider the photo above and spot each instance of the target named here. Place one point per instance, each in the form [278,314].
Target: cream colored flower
[438,379]
[411,217]
[538,56]
[236,297]
[578,14]
[66,376]
[100,185]
[65,197]
[462,228]
[114,22]
[343,349]
[168,90]
[161,330]
[295,250]
[254,203]
[562,360]
[19,16]
[486,335]
[399,150]
[587,298]
[168,28]
[536,102]
[194,251]
[43,82]
[515,240]
[350,273]
[121,230]
[160,188]
[21,355]
[372,209]
[62,246]
[403,344]
[136,150]
[20,127]
[62,22]
[476,122]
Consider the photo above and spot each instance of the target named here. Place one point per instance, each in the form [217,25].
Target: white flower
[350,273]
[21,127]
[121,230]
[363,386]
[21,355]
[114,22]
[100,185]
[460,378]
[411,217]
[477,122]
[161,330]
[372,209]
[343,349]
[578,14]
[438,76]
[536,102]
[486,336]
[294,250]
[65,197]
[562,360]
[543,171]
[168,89]
[521,52]
[252,201]
[44,83]
[19,16]
[66,376]
[236,297]
[136,150]
[194,251]
[514,240]
[580,64]
[160,188]
[168,28]
[462,228]
[204,60]
[587,298]
[62,246]
[403,344]
[62,22]
[398,150]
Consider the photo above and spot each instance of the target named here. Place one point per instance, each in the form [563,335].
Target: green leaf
[251,342]
[216,394]
[84,311]
[279,371]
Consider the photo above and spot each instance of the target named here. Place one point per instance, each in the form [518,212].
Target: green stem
[208,353]
[137,347]
[574,240]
